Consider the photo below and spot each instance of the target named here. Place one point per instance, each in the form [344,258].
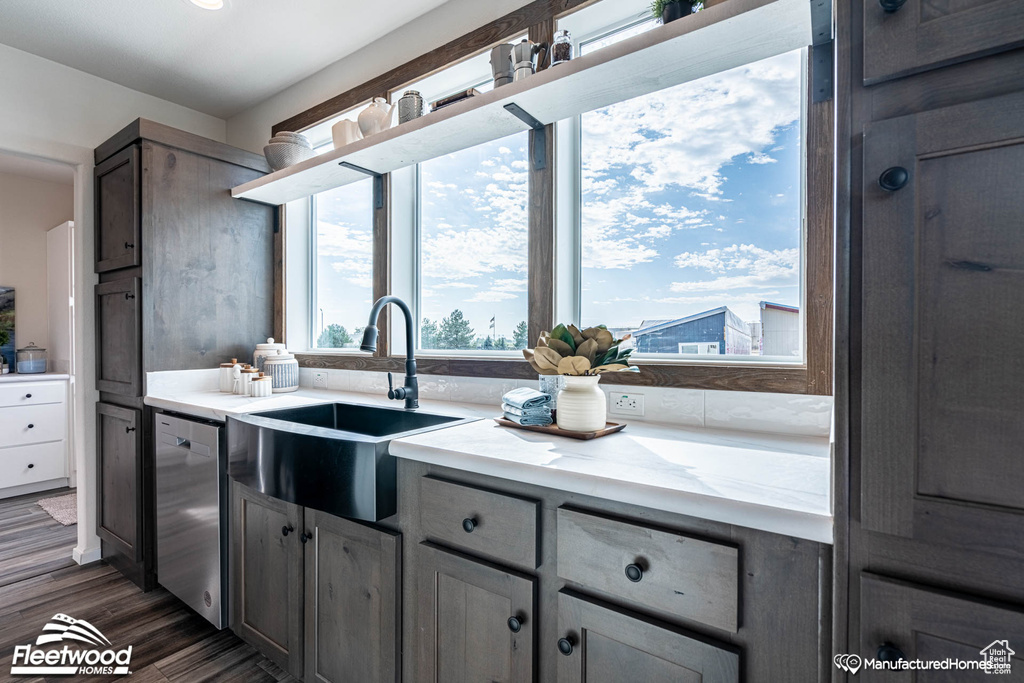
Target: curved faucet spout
[410,391]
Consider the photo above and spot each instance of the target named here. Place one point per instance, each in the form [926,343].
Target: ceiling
[217,62]
[30,167]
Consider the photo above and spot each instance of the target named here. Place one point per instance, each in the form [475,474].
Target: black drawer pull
[893,178]
[30,465]
[887,652]
[306,536]
[565,646]
[129,430]
[129,245]
[634,573]
[515,624]
[285,530]
[28,395]
[31,426]
[128,296]
[891,6]
[468,524]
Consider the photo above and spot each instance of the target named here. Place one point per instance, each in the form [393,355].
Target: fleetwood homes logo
[92,652]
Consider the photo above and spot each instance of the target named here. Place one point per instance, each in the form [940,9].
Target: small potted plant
[581,357]
[670,10]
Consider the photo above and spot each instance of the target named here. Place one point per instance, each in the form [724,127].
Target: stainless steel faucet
[410,391]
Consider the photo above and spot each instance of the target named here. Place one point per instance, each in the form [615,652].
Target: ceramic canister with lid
[227,376]
[283,369]
[244,379]
[260,386]
[264,350]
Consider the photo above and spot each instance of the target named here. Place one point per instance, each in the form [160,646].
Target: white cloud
[348,248]
[759,158]
[739,266]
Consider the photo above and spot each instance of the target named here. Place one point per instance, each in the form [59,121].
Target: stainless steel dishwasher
[191,511]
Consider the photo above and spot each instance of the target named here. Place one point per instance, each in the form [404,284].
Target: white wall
[28,209]
[250,129]
[55,112]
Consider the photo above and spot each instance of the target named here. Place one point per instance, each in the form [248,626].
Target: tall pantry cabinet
[932,147]
[185,282]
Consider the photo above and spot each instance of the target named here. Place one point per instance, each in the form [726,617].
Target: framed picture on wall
[7,344]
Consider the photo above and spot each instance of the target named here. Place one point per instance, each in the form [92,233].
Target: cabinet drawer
[919,623]
[30,393]
[32,424]
[494,525]
[685,576]
[29,464]
[601,643]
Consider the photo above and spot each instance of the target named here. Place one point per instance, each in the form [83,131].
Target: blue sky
[691,200]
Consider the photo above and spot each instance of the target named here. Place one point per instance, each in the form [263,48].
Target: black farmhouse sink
[330,456]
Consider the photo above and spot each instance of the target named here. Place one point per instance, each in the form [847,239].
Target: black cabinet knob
[128,296]
[31,426]
[634,573]
[893,178]
[565,646]
[285,530]
[28,395]
[129,245]
[891,6]
[305,536]
[30,465]
[515,624]
[468,524]
[887,652]
[129,430]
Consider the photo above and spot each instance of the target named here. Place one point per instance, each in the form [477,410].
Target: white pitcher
[376,117]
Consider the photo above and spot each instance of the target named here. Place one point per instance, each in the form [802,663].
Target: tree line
[452,333]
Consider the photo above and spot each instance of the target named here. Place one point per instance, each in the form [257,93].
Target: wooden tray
[609,428]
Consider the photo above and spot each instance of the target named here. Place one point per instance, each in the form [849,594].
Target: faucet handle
[391,388]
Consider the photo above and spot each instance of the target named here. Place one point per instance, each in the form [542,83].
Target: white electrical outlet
[626,404]
[319,380]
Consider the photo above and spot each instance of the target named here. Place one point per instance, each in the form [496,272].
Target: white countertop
[33,377]
[774,483]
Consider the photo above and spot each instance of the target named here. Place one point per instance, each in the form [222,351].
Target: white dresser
[33,433]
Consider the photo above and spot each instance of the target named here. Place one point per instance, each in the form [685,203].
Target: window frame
[538,19]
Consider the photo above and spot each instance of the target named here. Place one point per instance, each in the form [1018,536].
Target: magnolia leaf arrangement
[566,350]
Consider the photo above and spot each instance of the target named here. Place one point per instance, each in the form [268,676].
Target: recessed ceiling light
[209,4]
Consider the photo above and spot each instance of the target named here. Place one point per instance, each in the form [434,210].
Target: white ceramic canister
[264,350]
[283,369]
[260,387]
[245,377]
[227,376]
[582,406]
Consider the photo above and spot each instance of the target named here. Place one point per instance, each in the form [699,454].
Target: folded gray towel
[526,398]
[543,411]
[530,420]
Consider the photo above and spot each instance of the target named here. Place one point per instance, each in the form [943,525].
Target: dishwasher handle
[176,441]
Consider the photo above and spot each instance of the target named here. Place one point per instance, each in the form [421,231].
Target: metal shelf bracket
[378,182]
[540,135]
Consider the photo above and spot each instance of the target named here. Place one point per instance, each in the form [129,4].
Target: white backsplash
[795,414]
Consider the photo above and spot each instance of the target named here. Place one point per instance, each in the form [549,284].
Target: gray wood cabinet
[476,620]
[119,486]
[925,34]
[168,233]
[118,211]
[352,597]
[267,576]
[317,594]
[598,643]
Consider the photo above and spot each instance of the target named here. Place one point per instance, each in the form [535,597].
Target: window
[691,213]
[342,268]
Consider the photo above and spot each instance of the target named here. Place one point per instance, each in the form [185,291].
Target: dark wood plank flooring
[170,643]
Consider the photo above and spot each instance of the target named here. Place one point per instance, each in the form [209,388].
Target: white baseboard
[86,556]
[36,487]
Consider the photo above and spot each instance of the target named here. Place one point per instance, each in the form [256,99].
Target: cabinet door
[353,584]
[602,644]
[118,211]
[925,34]
[943,287]
[266,575]
[118,337]
[119,489]
[476,620]
[912,622]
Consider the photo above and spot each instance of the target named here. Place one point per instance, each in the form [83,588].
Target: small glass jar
[561,48]
[31,359]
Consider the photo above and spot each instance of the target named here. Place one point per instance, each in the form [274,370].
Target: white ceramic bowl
[284,154]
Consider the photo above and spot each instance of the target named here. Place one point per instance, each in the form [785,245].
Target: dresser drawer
[32,424]
[681,575]
[495,525]
[30,393]
[29,464]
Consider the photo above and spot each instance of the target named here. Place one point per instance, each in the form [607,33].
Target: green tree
[334,337]
[488,344]
[501,344]
[519,339]
[428,334]
[455,332]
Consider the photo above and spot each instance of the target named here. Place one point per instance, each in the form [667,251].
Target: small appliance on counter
[263,350]
[31,360]
[283,370]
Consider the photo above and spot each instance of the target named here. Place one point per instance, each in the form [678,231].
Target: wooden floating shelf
[721,37]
